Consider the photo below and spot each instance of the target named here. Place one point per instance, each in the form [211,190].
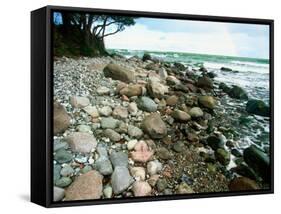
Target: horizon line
[191,53]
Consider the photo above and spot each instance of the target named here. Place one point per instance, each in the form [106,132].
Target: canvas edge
[49,61]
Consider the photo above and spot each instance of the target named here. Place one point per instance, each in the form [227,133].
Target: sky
[215,38]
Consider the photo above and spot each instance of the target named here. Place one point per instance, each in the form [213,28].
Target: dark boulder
[258,107]
[236,153]
[242,183]
[258,161]
[179,66]
[225,69]
[224,87]
[203,69]
[215,142]
[204,82]
[238,93]
[244,170]
[146,56]
[211,75]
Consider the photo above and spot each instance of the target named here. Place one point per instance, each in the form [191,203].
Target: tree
[84,33]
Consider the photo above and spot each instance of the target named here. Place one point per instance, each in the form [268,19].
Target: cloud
[193,37]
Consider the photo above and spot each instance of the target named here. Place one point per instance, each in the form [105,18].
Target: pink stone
[140,145]
[81,142]
[141,188]
[86,186]
[142,152]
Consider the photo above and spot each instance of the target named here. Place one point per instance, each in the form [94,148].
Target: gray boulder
[63,156]
[119,159]
[109,123]
[134,132]
[103,165]
[146,104]
[112,135]
[121,179]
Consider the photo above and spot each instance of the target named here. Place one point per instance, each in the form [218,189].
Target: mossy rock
[258,160]
[222,156]
[257,107]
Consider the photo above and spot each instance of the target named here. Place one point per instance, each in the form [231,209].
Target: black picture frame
[42,98]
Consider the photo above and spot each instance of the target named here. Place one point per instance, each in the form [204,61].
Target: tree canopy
[91,29]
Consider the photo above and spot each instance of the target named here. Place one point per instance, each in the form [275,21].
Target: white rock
[131,144]
[103,90]
[153,167]
[58,193]
[91,160]
[163,73]
[105,111]
[133,108]
[107,192]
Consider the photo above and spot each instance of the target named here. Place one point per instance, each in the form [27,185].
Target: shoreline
[189,153]
[120,51]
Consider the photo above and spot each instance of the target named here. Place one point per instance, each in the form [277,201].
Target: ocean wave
[241,67]
[251,64]
[158,55]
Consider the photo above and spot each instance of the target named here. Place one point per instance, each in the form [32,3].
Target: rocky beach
[142,126]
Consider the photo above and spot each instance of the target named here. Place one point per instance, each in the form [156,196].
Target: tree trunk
[77,40]
[66,26]
[98,46]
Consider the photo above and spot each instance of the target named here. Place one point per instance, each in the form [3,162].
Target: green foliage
[81,34]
